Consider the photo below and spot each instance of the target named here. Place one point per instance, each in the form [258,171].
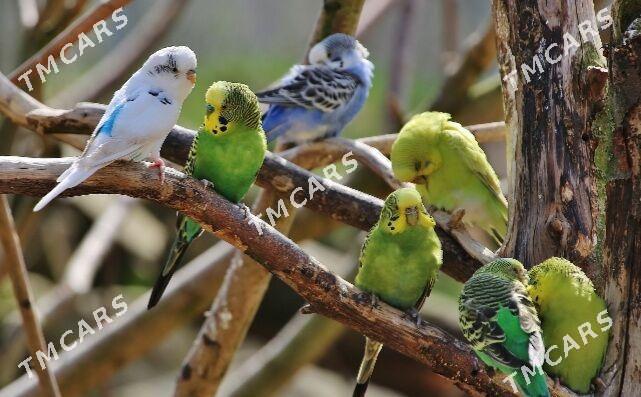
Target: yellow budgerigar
[452,173]
[574,320]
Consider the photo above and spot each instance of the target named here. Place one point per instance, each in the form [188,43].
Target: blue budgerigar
[138,118]
[316,101]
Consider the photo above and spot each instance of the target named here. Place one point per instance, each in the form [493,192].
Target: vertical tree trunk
[552,194]
[575,176]
[619,153]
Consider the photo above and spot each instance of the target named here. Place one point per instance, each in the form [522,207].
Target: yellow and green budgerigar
[227,152]
[452,173]
[499,320]
[569,307]
[399,264]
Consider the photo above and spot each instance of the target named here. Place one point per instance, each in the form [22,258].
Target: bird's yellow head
[552,274]
[415,154]
[404,209]
[229,105]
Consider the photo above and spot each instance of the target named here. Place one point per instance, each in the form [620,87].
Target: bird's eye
[210,109]
[175,70]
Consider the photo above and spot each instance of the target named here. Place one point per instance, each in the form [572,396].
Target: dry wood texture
[327,293]
[552,194]
[619,160]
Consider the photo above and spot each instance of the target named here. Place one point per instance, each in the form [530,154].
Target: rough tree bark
[619,160]
[552,194]
[576,186]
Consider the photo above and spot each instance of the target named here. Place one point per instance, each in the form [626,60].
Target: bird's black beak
[411,215]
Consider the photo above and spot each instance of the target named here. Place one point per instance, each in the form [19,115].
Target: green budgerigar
[500,321]
[452,173]
[574,320]
[227,152]
[399,264]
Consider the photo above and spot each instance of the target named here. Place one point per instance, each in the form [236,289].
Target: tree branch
[139,331]
[337,16]
[480,55]
[230,315]
[17,270]
[69,35]
[327,293]
[337,201]
[104,76]
[80,270]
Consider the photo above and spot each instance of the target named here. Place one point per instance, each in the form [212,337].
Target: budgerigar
[451,172]
[138,118]
[570,308]
[227,152]
[316,101]
[399,263]
[500,322]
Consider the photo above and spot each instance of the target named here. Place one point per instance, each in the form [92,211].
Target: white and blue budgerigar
[138,118]
[316,101]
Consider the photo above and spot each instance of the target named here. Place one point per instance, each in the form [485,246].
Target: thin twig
[449,31]
[398,74]
[80,271]
[101,11]
[373,10]
[17,270]
[139,331]
[28,11]
[106,74]
[480,55]
[194,285]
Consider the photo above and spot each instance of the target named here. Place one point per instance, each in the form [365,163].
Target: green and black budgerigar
[500,322]
[227,152]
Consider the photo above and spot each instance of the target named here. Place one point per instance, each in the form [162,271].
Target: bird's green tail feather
[188,231]
[372,348]
[178,250]
[536,387]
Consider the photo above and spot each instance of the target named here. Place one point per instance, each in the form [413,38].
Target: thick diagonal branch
[327,293]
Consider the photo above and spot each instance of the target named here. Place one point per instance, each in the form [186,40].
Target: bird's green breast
[231,161]
[568,310]
[398,267]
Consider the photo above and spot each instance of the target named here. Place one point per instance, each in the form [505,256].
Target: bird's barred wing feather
[474,158]
[191,157]
[312,87]
[479,306]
